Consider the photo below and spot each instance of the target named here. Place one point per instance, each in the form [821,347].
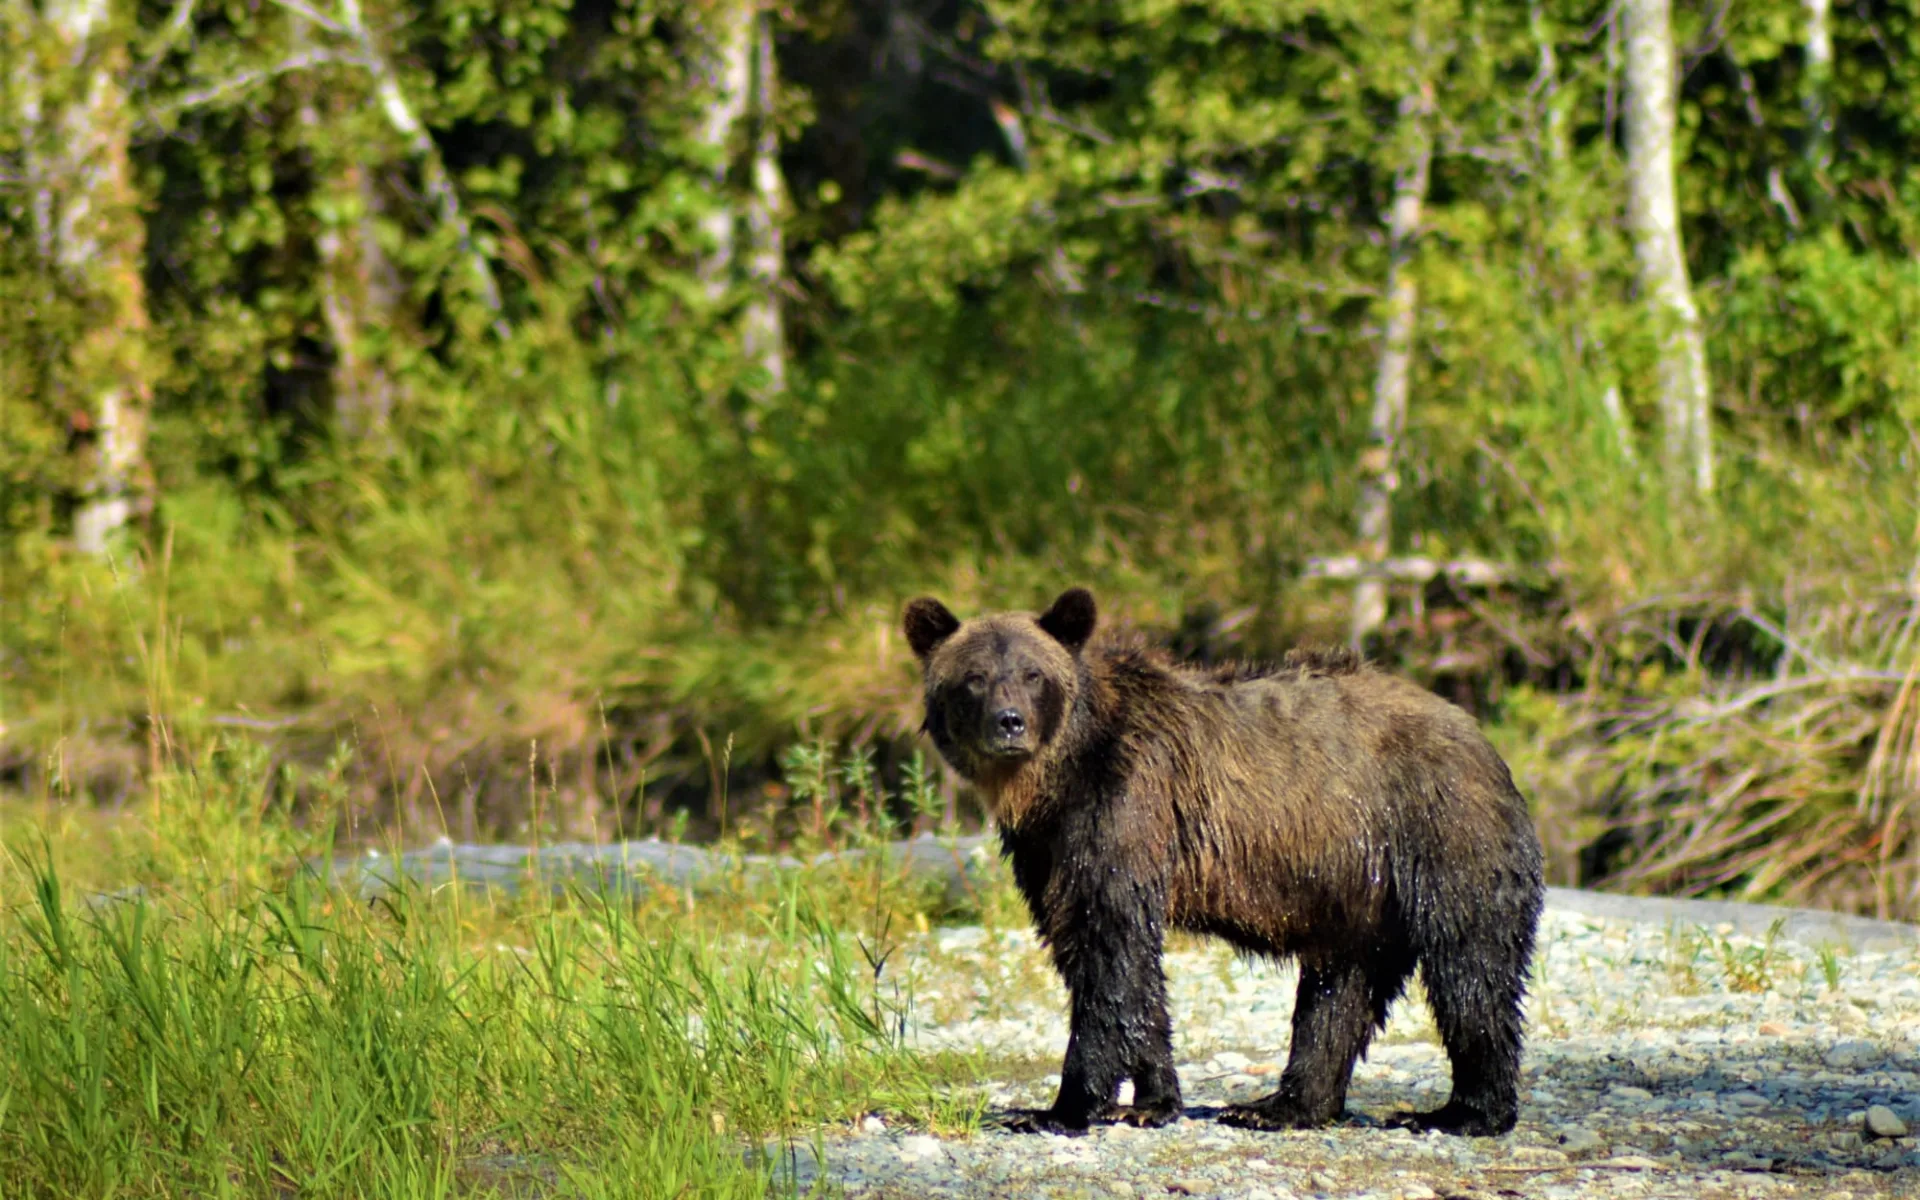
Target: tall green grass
[212,1036]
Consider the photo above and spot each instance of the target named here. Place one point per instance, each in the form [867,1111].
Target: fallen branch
[1466,572]
[1604,1165]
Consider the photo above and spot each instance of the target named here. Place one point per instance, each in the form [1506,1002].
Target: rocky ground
[1665,1059]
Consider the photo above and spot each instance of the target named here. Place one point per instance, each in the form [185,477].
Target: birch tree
[1816,98]
[726,76]
[359,287]
[741,76]
[89,230]
[763,335]
[1379,463]
[1653,219]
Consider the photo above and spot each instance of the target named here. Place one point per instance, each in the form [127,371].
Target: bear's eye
[1033,678]
[974,682]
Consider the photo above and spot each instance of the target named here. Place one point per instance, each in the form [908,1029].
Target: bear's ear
[928,623]
[1070,620]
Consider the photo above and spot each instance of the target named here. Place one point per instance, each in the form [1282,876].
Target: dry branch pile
[1718,747]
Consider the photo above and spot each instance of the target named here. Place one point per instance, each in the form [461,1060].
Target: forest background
[525,418]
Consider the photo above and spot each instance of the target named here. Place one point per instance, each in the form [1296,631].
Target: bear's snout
[1007,731]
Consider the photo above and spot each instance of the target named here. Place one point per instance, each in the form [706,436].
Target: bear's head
[999,687]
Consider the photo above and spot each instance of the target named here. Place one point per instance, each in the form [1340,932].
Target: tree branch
[218,91]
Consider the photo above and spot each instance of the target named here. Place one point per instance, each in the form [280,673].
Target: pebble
[1853,1054]
[1580,1140]
[1883,1122]
[1746,1161]
[1648,1075]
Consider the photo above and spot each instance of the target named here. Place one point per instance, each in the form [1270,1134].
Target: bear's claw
[1272,1117]
[1035,1120]
[1455,1118]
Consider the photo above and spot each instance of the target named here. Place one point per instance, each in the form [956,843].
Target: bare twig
[1513,636]
[1842,677]
[221,90]
[317,19]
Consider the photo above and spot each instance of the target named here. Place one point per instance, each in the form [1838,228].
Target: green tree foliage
[1085,289]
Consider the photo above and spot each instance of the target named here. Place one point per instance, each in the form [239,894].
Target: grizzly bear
[1317,809]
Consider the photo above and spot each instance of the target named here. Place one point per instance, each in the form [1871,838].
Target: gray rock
[1883,1122]
[1853,1054]
[1581,1140]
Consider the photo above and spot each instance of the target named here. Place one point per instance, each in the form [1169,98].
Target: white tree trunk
[359,288]
[1379,464]
[89,227]
[763,334]
[1819,67]
[726,76]
[1653,217]
[360,292]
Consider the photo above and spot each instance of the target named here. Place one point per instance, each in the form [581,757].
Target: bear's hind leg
[1476,1007]
[1334,1016]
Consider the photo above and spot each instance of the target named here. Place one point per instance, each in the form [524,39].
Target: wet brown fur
[1314,808]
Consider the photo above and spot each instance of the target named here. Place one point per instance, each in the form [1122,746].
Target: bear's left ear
[928,623]
[1070,620]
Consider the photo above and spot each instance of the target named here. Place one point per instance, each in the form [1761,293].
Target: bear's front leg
[1110,957]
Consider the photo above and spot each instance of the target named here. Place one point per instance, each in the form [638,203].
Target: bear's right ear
[1070,621]
[928,623]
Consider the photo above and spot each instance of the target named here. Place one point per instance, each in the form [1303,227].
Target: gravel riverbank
[1665,1059]
[1676,1048]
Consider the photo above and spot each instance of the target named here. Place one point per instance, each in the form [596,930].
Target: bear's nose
[1011,723]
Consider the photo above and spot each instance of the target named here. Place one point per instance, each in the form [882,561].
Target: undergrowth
[225,1023]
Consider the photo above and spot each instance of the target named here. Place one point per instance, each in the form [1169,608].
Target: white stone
[918,1146]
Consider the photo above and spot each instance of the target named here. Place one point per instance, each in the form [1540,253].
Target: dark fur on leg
[1335,1014]
[1478,1014]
